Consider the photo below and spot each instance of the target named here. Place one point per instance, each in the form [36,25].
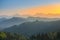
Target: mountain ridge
[29,28]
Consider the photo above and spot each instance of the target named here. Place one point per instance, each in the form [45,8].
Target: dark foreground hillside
[46,36]
[11,36]
[43,36]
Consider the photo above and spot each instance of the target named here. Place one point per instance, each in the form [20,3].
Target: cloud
[52,10]
[7,12]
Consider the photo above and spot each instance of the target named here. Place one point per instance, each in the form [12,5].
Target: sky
[36,8]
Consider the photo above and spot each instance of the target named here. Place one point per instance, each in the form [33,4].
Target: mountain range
[2,19]
[29,28]
[10,21]
[5,23]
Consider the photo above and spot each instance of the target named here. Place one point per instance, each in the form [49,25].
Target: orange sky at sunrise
[49,11]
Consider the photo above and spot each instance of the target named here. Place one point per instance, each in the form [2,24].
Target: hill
[29,28]
[10,22]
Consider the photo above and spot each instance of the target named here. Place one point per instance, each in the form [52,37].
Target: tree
[2,35]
